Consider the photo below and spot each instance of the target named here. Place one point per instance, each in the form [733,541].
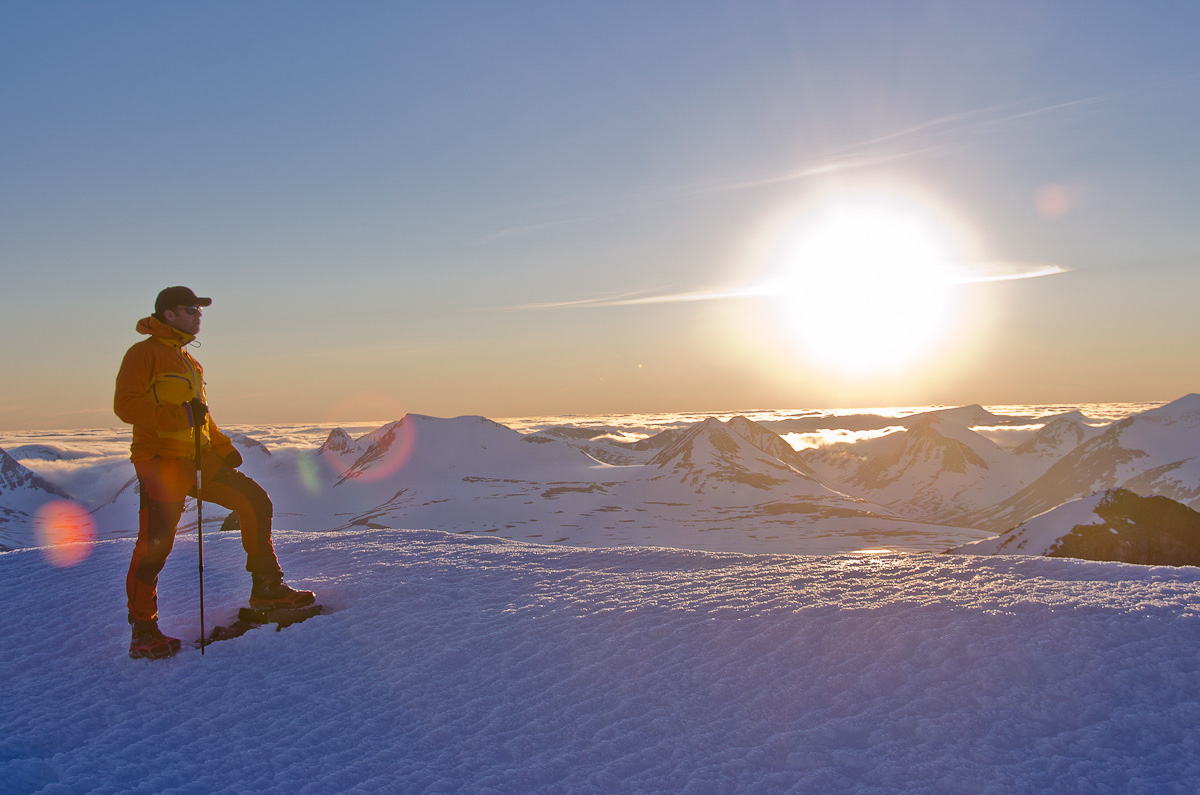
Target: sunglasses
[191,310]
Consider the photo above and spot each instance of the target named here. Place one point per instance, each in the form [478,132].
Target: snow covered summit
[936,470]
[735,454]
[22,493]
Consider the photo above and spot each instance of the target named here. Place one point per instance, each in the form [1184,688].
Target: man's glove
[197,411]
[233,460]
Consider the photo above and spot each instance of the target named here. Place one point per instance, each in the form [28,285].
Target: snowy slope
[602,443]
[1116,524]
[1058,436]
[1156,452]
[1040,534]
[739,455]
[339,452]
[965,416]
[935,470]
[713,485]
[22,493]
[468,664]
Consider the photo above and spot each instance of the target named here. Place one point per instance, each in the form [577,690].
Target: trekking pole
[199,523]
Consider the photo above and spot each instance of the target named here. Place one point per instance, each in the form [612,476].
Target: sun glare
[866,284]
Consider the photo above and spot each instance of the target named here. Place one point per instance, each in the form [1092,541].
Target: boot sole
[157,651]
[301,600]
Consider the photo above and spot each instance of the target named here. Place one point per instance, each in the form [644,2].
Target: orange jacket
[156,378]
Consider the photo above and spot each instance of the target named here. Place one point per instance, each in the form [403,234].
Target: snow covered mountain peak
[338,443]
[22,493]
[1061,434]
[17,479]
[937,469]
[770,442]
[948,445]
[249,445]
[967,416]
[1185,410]
[710,438]
[1154,452]
[466,431]
[740,451]
[433,447]
[375,446]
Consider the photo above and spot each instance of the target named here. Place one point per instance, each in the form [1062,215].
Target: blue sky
[376,195]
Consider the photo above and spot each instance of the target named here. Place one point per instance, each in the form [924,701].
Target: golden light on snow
[65,531]
[866,284]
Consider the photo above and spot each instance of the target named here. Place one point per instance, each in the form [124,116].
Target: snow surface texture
[456,663]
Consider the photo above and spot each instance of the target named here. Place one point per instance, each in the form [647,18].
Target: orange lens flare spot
[65,531]
[386,452]
[367,459]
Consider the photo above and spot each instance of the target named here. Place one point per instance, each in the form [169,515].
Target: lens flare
[65,531]
[377,455]
[1053,201]
[384,452]
[309,468]
[367,459]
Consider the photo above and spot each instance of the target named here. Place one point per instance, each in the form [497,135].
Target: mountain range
[712,485]
[1154,453]
[931,481]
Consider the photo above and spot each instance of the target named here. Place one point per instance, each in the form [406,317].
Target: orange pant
[164,484]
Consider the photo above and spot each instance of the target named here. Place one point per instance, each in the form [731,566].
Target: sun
[866,284]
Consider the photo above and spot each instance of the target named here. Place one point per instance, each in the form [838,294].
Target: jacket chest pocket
[173,389]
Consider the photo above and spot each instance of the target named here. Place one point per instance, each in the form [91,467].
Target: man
[160,392]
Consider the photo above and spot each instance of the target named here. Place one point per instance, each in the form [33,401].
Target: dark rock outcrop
[1136,529]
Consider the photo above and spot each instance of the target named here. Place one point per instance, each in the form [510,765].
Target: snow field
[466,664]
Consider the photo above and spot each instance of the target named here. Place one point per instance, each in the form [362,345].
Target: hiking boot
[150,643]
[271,592]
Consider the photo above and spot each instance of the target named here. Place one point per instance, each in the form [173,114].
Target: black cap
[178,296]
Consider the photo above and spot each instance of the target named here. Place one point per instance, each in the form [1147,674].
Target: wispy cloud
[1006,272]
[934,137]
[945,134]
[930,138]
[980,119]
[641,299]
[975,273]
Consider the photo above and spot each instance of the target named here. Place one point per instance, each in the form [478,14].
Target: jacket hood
[156,328]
